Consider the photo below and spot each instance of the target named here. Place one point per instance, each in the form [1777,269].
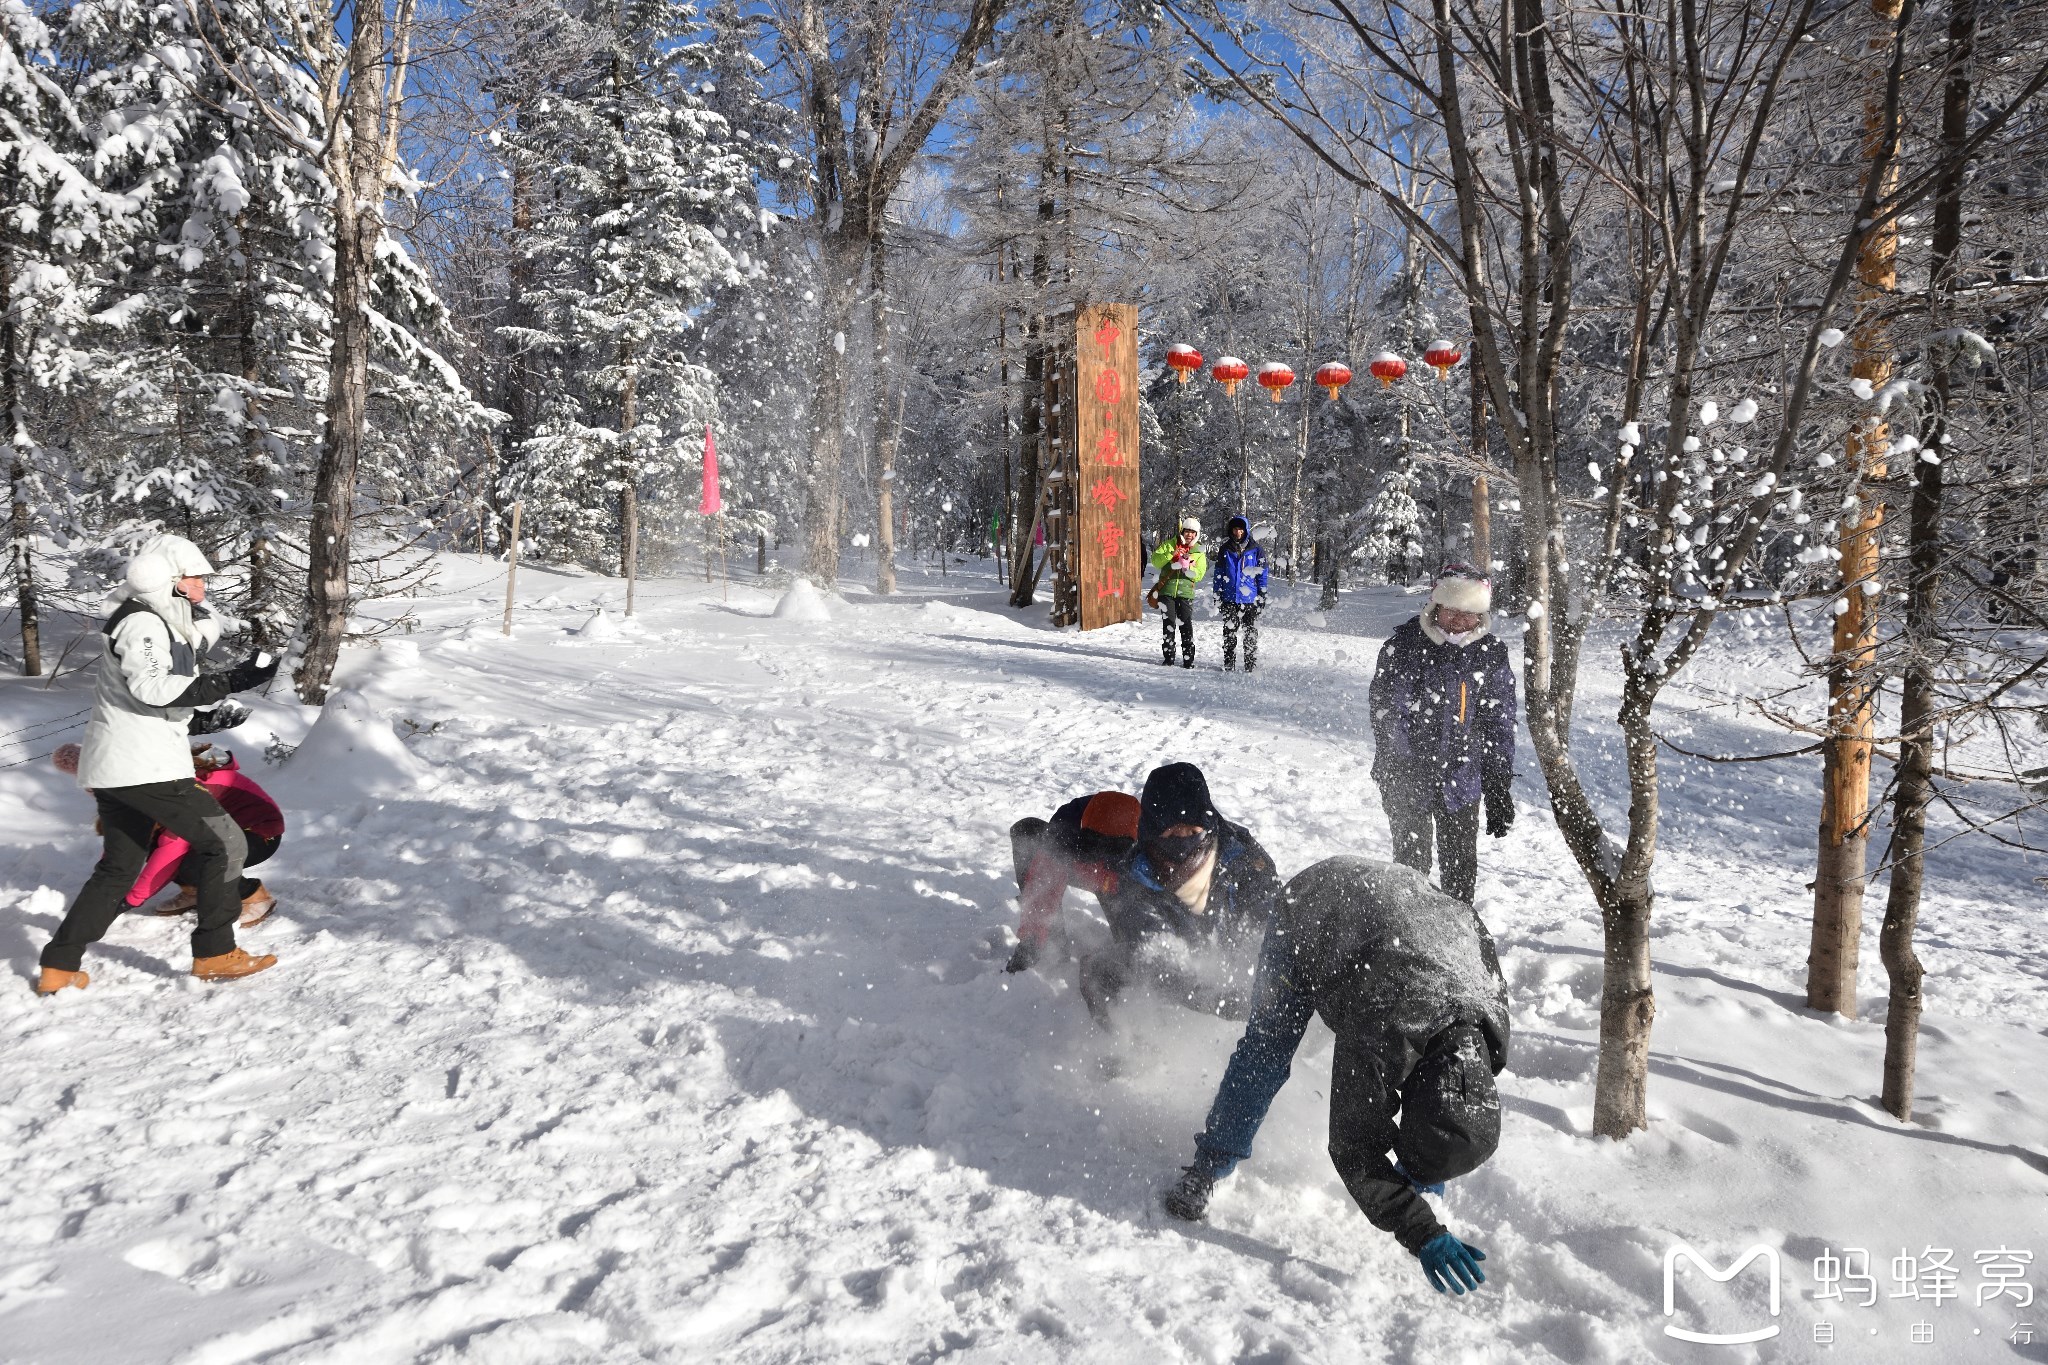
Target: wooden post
[1841,868]
[512,565]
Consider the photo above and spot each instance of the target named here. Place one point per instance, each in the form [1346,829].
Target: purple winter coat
[1442,714]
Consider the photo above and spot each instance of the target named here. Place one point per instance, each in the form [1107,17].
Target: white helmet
[1191,524]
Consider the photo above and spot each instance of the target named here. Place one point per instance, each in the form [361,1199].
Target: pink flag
[711,505]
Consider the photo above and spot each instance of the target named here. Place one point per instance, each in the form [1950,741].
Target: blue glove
[1452,1265]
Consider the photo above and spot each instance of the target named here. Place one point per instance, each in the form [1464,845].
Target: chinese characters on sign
[1934,1296]
[1931,1278]
[1105,443]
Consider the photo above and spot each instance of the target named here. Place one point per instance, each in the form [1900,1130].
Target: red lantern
[1442,355]
[1387,367]
[1229,371]
[1274,378]
[1183,360]
[1333,377]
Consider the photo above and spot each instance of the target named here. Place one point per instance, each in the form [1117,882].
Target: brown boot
[230,966]
[55,979]
[256,907]
[187,900]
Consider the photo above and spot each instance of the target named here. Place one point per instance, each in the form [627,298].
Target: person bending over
[1192,877]
[1079,846]
[254,812]
[1408,980]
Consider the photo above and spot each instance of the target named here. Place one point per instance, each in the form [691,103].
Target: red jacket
[247,804]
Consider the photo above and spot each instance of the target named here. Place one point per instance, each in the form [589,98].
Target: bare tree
[859,69]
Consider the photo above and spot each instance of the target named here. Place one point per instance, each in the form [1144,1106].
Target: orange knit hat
[1114,813]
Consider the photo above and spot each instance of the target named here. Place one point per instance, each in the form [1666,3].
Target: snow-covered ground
[640,998]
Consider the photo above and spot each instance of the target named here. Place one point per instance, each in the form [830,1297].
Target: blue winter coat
[1241,573]
[1443,717]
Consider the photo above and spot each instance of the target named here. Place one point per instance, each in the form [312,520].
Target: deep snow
[640,998]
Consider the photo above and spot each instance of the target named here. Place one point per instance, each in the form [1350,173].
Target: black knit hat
[1176,794]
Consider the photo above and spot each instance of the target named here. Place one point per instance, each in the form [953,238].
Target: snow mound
[600,626]
[803,602]
[352,749]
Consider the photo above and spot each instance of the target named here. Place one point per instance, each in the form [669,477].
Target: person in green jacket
[1181,565]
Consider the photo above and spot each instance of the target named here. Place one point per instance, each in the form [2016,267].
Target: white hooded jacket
[154,641]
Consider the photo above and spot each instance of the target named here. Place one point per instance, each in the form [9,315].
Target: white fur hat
[1463,588]
[1191,524]
[161,563]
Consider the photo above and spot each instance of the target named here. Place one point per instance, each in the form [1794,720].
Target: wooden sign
[1105,389]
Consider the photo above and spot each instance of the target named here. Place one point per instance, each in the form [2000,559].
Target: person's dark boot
[1189,1200]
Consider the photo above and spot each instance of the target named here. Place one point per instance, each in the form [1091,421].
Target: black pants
[1430,1103]
[1181,609]
[128,818]
[261,846]
[1456,833]
[1245,615]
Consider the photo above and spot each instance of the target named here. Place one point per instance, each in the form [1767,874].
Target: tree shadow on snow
[1758,1088]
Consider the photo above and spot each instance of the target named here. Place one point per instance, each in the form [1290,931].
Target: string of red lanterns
[1274,377]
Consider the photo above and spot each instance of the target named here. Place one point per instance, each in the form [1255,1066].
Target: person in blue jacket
[1240,581]
[1192,876]
[1443,726]
[1409,982]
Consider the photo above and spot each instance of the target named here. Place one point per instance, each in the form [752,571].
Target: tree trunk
[1919,704]
[885,429]
[1627,1002]
[1840,876]
[257,603]
[20,521]
[356,169]
[20,541]
[1023,552]
[629,481]
[1482,508]
[839,288]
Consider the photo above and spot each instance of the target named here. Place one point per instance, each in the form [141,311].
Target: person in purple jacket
[1443,725]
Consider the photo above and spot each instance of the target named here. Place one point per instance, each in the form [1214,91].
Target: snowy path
[642,1003]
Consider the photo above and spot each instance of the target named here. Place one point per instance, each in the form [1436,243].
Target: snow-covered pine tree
[210,336]
[52,217]
[1393,537]
[641,190]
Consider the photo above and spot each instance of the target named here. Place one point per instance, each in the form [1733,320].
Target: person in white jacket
[137,760]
